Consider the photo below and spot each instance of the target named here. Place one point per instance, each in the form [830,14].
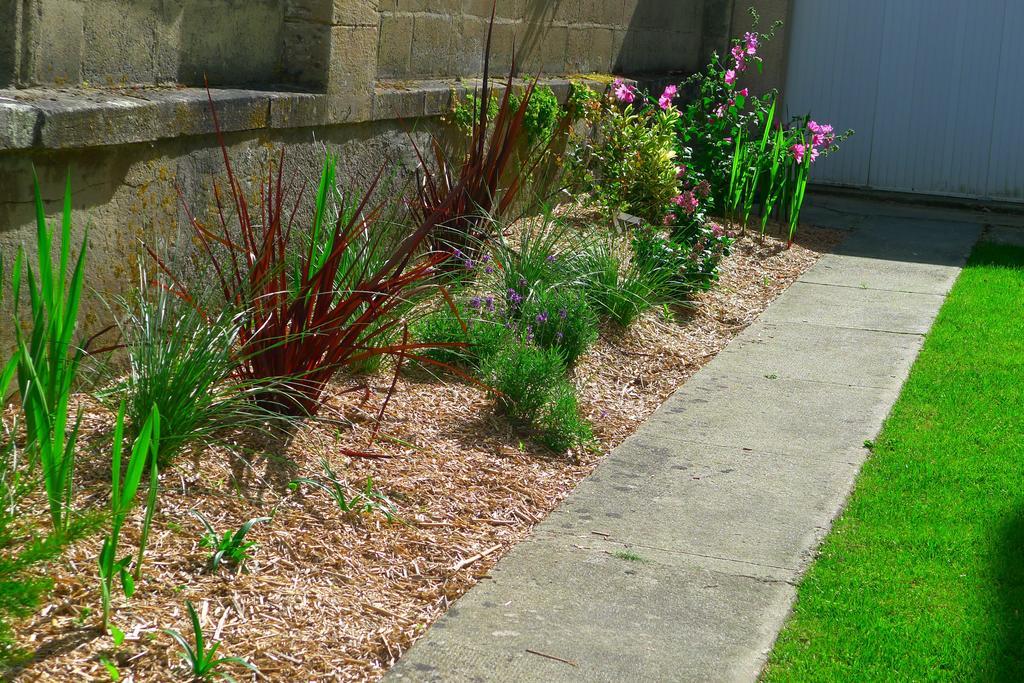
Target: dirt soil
[333,597]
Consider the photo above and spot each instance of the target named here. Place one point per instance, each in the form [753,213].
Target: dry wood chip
[335,597]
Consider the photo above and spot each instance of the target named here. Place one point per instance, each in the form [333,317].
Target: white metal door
[933,88]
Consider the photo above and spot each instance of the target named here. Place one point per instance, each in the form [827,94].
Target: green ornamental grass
[47,361]
[202,662]
[122,499]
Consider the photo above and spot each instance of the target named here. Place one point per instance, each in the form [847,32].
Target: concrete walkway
[678,558]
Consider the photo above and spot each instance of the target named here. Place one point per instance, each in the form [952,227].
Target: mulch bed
[328,596]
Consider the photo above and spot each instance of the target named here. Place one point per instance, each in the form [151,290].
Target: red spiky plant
[462,205]
[315,302]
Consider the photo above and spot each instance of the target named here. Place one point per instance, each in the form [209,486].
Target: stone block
[61,47]
[437,98]
[431,6]
[394,53]
[307,49]
[17,123]
[121,40]
[553,55]
[396,103]
[10,43]
[467,57]
[352,72]
[355,12]
[336,12]
[229,46]
[431,40]
[589,50]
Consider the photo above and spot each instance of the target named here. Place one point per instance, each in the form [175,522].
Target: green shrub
[630,160]
[685,263]
[615,291]
[539,120]
[535,393]
[542,114]
[560,318]
[483,334]
[561,426]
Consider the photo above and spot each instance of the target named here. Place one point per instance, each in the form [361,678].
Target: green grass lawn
[922,578]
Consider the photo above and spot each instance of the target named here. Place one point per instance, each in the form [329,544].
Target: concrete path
[678,558]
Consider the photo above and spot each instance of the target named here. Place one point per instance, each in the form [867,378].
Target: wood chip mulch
[330,597]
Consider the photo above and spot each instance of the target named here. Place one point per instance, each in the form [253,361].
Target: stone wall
[122,42]
[437,38]
[101,87]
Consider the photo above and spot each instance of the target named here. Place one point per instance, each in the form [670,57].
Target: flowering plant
[628,160]
[708,124]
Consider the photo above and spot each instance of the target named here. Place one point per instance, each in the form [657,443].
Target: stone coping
[70,118]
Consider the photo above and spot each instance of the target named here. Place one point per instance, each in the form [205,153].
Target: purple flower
[489,269]
[474,303]
[552,258]
[559,336]
[469,264]
[485,258]
[562,313]
[522,281]
[514,297]
[490,304]
[457,253]
[542,317]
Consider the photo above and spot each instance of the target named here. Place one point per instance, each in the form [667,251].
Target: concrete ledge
[49,118]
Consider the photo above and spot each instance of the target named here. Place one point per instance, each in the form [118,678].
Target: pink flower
[797,150]
[751,40]
[744,92]
[741,59]
[688,201]
[820,134]
[730,77]
[669,219]
[717,230]
[814,154]
[623,93]
[667,96]
[680,171]
[720,111]
[704,188]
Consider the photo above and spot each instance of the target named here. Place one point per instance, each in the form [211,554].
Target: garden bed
[334,597]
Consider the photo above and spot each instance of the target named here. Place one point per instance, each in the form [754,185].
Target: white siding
[933,88]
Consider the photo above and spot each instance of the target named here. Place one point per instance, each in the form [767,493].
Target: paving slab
[697,502]
[677,559]
[839,355]
[855,307]
[603,617]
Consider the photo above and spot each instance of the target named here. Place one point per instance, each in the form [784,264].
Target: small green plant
[615,290]
[47,362]
[535,394]
[22,549]
[560,318]
[203,663]
[366,501]
[561,426]
[628,555]
[183,362]
[230,547]
[464,337]
[122,500]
